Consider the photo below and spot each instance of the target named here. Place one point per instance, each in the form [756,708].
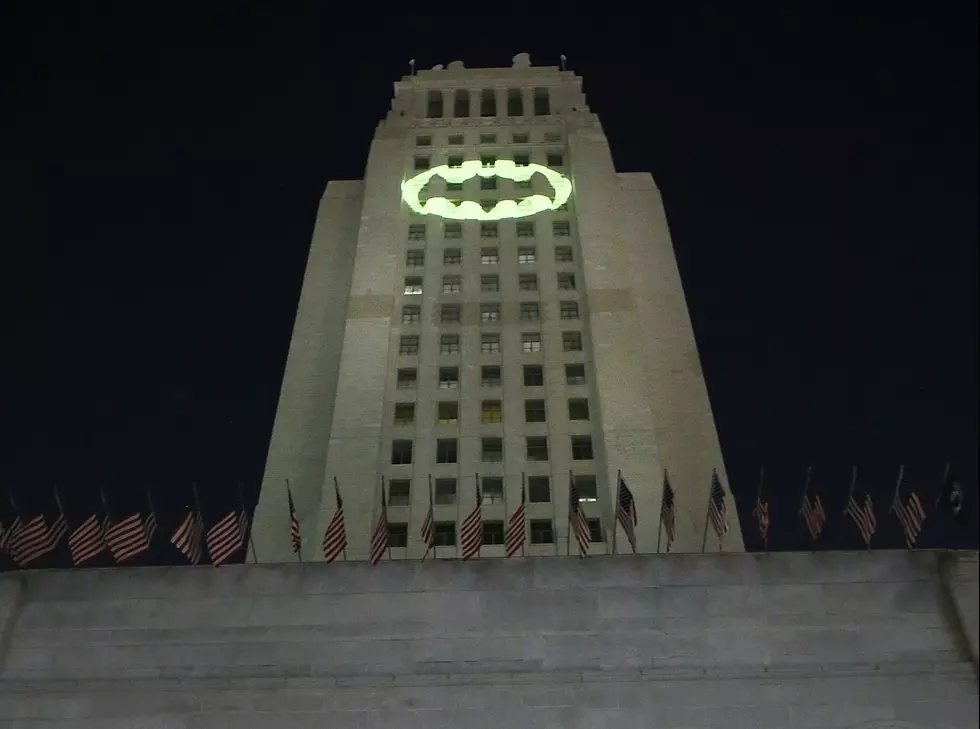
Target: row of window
[490,376]
[422,162]
[455,140]
[540,531]
[489,283]
[491,412]
[461,101]
[491,449]
[449,344]
[415,257]
[489,313]
[417,232]
[491,490]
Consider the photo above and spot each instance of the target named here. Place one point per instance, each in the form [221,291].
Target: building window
[581,447]
[406,378]
[525,230]
[451,284]
[452,257]
[560,228]
[490,284]
[434,107]
[447,412]
[526,255]
[415,259]
[489,344]
[568,310]
[492,490]
[453,231]
[522,160]
[530,311]
[520,138]
[401,452]
[488,102]
[488,139]
[421,163]
[455,187]
[488,230]
[488,160]
[423,141]
[448,378]
[489,256]
[575,374]
[456,139]
[534,411]
[461,103]
[487,205]
[445,493]
[563,254]
[491,412]
[542,531]
[490,376]
[416,231]
[449,314]
[444,534]
[555,160]
[449,344]
[515,102]
[522,184]
[411,314]
[530,342]
[399,492]
[566,281]
[552,137]
[455,161]
[404,413]
[571,341]
[585,485]
[595,531]
[542,102]
[413,285]
[527,282]
[493,531]
[538,489]
[537,448]
[489,313]
[533,376]
[578,409]
[408,346]
[488,183]
[397,535]
[492,450]
[446,450]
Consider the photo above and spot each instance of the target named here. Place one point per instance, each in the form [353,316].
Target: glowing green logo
[469,210]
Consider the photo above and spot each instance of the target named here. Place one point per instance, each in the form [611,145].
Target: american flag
[471,533]
[516,533]
[87,540]
[814,515]
[428,532]
[293,523]
[717,511]
[578,520]
[379,539]
[335,538]
[864,517]
[626,513]
[4,533]
[911,515]
[227,537]
[130,537]
[667,511]
[30,541]
[188,537]
[761,513]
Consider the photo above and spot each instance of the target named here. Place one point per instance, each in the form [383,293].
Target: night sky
[819,170]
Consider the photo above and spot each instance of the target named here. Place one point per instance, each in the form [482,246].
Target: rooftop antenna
[563,59]
[411,66]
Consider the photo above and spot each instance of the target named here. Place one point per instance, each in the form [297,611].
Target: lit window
[413,285]
[530,311]
[571,341]
[445,491]
[563,254]
[489,256]
[490,344]
[416,231]
[488,139]
[411,314]
[521,138]
[453,231]
[566,281]
[455,139]
[488,230]
[533,376]
[525,230]
[526,255]
[568,309]
[527,282]
[452,257]
[421,163]
[399,492]
[537,448]
[492,450]
[489,284]
[491,412]
[585,485]
[534,411]
[489,313]
[538,489]
[530,342]
[575,374]
[449,314]
[560,228]
[423,141]
[406,378]
[490,376]
[404,413]
[555,160]
[415,259]
[401,452]
[447,413]
[449,344]
[451,284]
[446,450]
[542,531]
[408,346]
[448,378]
[578,409]
[542,103]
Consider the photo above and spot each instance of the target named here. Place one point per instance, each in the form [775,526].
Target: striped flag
[130,537]
[667,512]
[471,533]
[428,532]
[87,540]
[717,511]
[293,522]
[911,515]
[4,534]
[31,541]
[516,529]
[863,516]
[335,538]
[578,521]
[761,513]
[226,537]
[626,513]
[814,515]
[379,539]
[188,537]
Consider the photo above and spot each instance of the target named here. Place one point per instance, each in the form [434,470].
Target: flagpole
[850,492]
[479,547]
[200,515]
[568,525]
[615,528]
[61,509]
[660,521]
[435,549]
[336,493]
[758,504]
[554,513]
[523,503]
[898,485]
[384,508]
[248,523]
[704,537]
[721,537]
[943,487]
[105,503]
[506,521]
[292,514]
[149,502]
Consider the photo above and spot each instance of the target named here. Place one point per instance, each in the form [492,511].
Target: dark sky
[819,169]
